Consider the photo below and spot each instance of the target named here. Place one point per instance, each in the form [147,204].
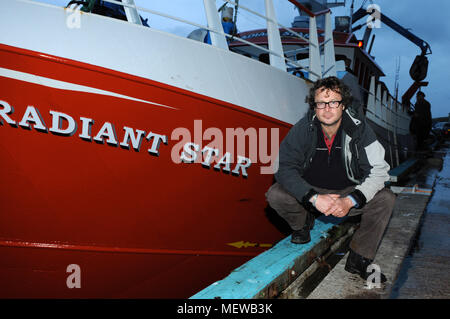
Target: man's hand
[342,206]
[333,204]
[325,203]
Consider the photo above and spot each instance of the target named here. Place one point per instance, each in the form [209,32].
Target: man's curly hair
[335,85]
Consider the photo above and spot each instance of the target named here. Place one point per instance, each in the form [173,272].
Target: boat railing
[380,106]
[385,109]
[277,57]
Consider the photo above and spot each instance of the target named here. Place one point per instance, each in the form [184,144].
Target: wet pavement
[425,271]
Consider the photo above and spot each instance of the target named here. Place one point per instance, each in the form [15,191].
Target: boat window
[339,57]
[264,57]
[302,56]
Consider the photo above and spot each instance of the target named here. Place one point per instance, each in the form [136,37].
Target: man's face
[328,115]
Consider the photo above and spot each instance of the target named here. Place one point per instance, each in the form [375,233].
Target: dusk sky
[426,19]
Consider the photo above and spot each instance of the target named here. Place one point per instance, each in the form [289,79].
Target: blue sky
[426,19]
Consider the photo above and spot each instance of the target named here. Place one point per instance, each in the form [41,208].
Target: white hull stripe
[36,79]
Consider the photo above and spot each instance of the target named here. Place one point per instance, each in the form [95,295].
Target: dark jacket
[363,158]
[422,115]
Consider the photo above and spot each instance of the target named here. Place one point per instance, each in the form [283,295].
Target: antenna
[397,76]
[351,15]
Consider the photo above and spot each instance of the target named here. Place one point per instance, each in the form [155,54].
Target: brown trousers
[375,215]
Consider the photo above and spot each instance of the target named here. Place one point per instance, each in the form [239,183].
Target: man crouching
[332,161]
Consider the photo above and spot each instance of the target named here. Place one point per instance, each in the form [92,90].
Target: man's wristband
[314,199]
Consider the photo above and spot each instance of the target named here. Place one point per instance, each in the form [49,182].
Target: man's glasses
[332,104]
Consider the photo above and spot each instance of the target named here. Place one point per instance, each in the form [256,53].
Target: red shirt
[328,142]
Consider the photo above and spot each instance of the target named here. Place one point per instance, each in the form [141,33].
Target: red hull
[137,225]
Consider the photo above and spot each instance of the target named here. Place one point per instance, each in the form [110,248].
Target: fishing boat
[134,162]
